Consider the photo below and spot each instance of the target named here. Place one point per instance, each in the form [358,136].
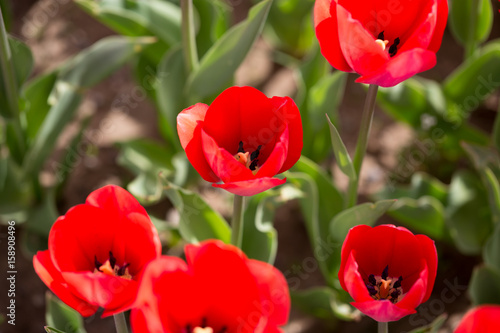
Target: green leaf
[317,220]
[260,239]
[483,158]
[86,69]
[16,195]
[474,80]
[62,316]
[422,184]
[325,98]
[322,302]
[432,327]
[147,159]
[467,202]
[496,131]
[409,96]
[214,20]
[169,91]
[341,155]
[198,221]
[58,116]
[49,329]
[294,38]
[37,106]
[424,215]
[491,251]
[218,65]
[99,61]
[138,18]
[330,198]
[471,20]
[22,60]
[484,287]
[366,213]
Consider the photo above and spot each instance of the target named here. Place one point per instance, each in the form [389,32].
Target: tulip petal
[251,187]
[421,36]
[442,14]
[113,293]
[278,156]
[382,311]
[415,295]
[400,68]
[327,32]
[80,235]
[188,120]
[273,289]
[224,165]
[53,279]
[431,259]
[354,283]
[483,319]
[195,155]
[220,281]
[115,200]
[241,114]
[288,111]
[159,276]
[145,246]
[321,11]
[358,46]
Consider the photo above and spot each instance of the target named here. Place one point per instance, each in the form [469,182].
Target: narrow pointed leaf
[366,213]
[341,155]
[218,65]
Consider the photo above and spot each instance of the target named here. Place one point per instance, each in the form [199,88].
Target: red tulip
[218,290]
[387,270]
[97,250]
[385,41]
[481,319]
[242,139]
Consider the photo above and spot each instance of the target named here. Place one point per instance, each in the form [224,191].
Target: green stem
[383,327]
[364,132]
[120,323]
[188,36]
[10,86]
[237,223]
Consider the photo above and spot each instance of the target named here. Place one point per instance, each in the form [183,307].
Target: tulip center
[393,49]
[111,268]
[203,328]
[249,160]
[383,287]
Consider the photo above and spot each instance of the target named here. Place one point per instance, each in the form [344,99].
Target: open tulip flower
[242,139]
[481,319]
[387,270]
[385,41]
[97,251]
[219,290]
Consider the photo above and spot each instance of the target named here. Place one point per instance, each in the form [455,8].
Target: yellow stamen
[384,288]
[383,43]
[106,269]
[203,330]
[243,158]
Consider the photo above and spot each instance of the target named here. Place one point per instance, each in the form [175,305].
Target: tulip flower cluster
[106,254]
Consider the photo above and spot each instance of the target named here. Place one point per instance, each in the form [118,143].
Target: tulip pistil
[248,160]
[393,49]
[111,268]
[384,288]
